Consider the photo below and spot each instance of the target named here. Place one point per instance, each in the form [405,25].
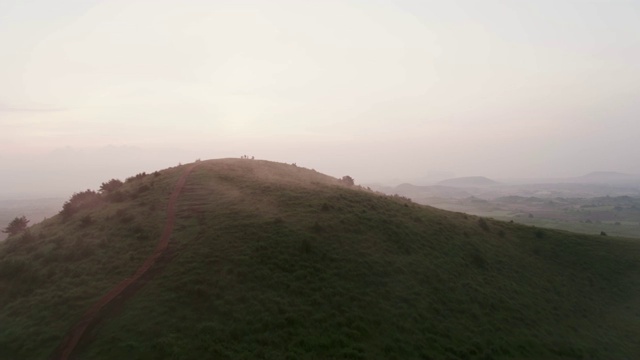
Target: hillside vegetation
[274,261]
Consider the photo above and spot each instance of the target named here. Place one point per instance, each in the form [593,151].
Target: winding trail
[92,316]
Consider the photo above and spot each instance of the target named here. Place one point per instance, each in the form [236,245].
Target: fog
[385,91]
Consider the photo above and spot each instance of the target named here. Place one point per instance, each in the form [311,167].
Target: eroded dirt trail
[93,315]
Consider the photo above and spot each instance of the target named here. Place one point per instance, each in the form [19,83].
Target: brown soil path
[92,316]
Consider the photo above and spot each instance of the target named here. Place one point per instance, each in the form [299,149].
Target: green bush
[110,186]
[78,201]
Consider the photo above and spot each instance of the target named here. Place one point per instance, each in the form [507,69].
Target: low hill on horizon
[607,177]
[469,181]
[416,192]
[271,260]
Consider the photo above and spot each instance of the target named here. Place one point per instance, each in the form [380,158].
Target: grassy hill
[269,260]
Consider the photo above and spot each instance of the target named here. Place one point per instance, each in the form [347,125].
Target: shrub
[110,186]
[348,180]
[27,236]
[136,177]
[86,220]
[117,196]
[143,188]
[78,201]
[123,216]
[11,268]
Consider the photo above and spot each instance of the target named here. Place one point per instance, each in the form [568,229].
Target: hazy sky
[376,89]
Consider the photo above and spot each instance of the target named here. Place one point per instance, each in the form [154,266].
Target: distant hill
[606,177]
[272,261]
[470,181]
[418,192]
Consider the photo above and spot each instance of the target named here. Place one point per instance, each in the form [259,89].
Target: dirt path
[123,290]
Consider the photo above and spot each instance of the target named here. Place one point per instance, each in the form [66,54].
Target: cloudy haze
[376,89]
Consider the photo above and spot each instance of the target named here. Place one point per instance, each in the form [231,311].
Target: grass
[275,261]
[51,274]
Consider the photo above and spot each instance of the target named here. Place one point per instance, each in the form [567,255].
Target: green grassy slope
[50,275]
[276,261]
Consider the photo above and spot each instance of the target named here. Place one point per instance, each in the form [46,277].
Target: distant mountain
[421,192]
[411,188]
[606,177]
[469,181]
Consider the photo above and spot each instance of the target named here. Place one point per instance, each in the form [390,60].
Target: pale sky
[394,89]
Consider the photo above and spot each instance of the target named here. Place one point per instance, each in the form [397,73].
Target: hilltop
[271,260]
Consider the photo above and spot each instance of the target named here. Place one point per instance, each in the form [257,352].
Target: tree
[110,186]
[16,226]
[348,180]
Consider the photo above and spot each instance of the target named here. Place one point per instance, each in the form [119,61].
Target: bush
[117,196]
[143,188]
[348,180]
[136,177]
[123,216]
[110,186]
[82,200]
[86,220]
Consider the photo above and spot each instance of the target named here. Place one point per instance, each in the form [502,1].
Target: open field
[618,216]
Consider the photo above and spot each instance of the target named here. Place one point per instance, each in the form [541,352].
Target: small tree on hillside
[110,186]
[16,226]
[348,180]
